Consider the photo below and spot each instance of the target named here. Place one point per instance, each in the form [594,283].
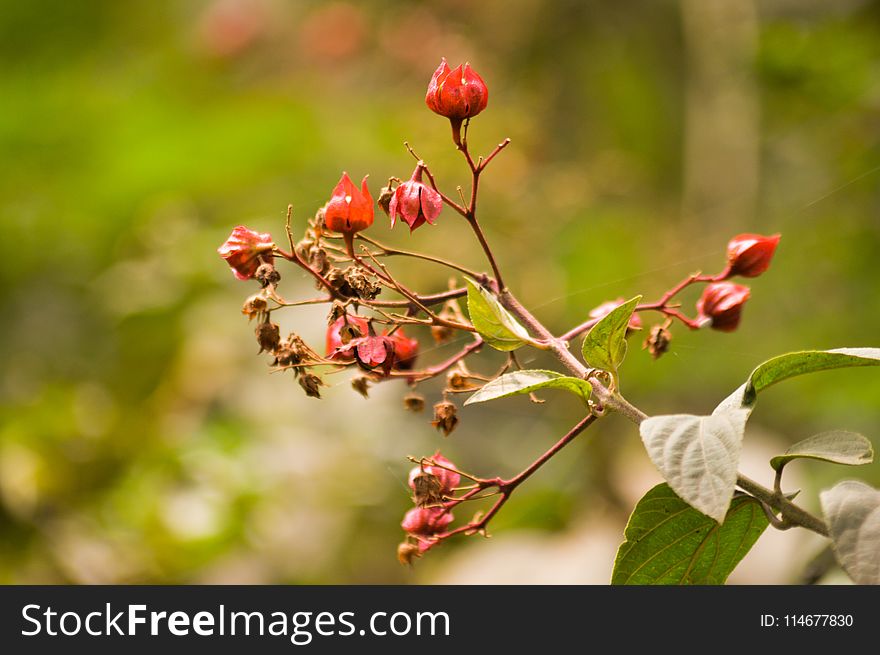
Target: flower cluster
[371,333]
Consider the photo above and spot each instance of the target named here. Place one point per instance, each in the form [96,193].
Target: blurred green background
[142,439]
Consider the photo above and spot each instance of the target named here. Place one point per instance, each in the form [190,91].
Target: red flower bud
[456,94]
[426,521]
[635,323]
[245,250]
[749,255]
[722,303]
[448,479]
[349,210]
[405,350]
[341,332]
[415,202]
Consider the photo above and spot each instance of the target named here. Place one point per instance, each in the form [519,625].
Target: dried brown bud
[384,201]
[336,277]
[414,402]
[254,306]
[407,552]
[427,489]
[267,274]
[361,285]
[658,340]
[311,384]
[319,218]
[337,310]
[445,418]
[442,333]
[292,351]
[268,336]
[361,384]
[318,260]
[303,248]
[457,381]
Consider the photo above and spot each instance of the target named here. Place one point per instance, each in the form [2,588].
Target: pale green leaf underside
[670,543]
[852,512]
[837,446]
[492,321]
[698,456]
[605,344]
[520,382]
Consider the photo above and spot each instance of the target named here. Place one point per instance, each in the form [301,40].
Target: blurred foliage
[142,440]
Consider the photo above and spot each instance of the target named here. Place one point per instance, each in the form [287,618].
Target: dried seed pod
[254,306]
[427,489]
[268,336]
[658,340]
[445,417]
[407,552]
[361,384]
[267,275]
[414,402]
[311,384]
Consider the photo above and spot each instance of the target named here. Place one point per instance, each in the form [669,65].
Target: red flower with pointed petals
[722,303]
[415,202]
[749,255]
[373,352]
[350,209]
[245,250]
[456,94]
[338,350]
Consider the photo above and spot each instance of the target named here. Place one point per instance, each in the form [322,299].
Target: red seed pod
[245,250]
[749,255]
[722,303]
[415,202]
[426,521]
[341,332]
[406,350]
[456,94]
[350,209]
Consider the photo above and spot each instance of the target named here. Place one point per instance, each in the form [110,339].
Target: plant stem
[791,513]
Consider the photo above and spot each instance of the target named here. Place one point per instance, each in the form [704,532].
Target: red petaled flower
[722,303]
[340,349]
[426,521]
[405,350]
[350,209]
[749,255]
[245,250]
[373,352]
[449,480]
[415,202]
[456,94]
[635,323]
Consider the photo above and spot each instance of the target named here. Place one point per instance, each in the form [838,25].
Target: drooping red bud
[635,323]
[749,255]
[405,350]
[415,202]
[448,479]
[350,209]
[341,332]
[722,303]
[426,521]
[245,250]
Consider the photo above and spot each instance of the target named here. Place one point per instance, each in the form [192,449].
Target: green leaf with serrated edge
[519,382]
[698,456]
[852,512]
[492,321]
[793,364]
[668,542]
[836,446]
[605,344]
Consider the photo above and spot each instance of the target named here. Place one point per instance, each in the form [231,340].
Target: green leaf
[837,446]
[520,382]
[494,323]
[852,512]
[698,456]
[605,344]
[668,542]
[798,363]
